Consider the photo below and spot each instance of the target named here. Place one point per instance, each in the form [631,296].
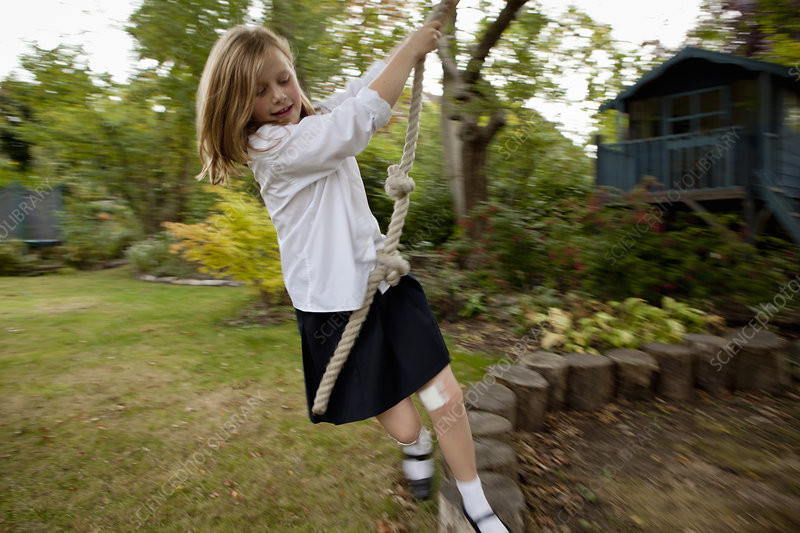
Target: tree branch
[492,35]
[454,77]
[496,121]
[448,62]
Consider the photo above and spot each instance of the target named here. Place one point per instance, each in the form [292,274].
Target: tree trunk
[473,155]
[452,146]
[464,140]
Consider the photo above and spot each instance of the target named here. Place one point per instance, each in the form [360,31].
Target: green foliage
[474,305]
[152,256]
[762,29]
[12,172]
[237,241]
[453,292]
[532,158]
[626,324]
[639,253]
[530,241]
[94,230]
[15,258]
[430,218]
[567,236]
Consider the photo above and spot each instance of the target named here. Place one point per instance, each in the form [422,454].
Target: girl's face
[277,98]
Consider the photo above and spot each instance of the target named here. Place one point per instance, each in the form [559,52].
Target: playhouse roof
[693,53]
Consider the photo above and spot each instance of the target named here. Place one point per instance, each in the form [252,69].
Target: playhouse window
[696,111]
[645,118]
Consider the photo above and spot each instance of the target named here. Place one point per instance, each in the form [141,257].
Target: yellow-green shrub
[238,241]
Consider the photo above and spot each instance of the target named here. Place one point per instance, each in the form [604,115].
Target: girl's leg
[449,418]
[404,425]
[444,401]
[402,421]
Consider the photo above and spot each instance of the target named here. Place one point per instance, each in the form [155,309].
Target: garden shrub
[685,258]
[94,231]
[15,259]
[617,324]
[152,256]
[528,245]
[570,238]
[237,241]
[430,219]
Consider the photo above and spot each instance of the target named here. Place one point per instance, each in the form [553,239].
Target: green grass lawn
[128,406]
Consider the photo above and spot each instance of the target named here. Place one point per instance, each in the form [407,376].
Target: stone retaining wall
[515,397]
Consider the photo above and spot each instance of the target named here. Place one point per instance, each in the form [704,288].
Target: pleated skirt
[400,348]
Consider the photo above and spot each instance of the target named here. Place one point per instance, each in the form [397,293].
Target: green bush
[152,256]
[571,238]
[529,245]
[95,231]
[237,241]
[430,219]
[683,257]
[15,258]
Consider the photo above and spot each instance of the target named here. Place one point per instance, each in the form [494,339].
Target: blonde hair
[225,98]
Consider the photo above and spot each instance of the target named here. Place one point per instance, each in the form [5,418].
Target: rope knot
[398,183]
[394,266]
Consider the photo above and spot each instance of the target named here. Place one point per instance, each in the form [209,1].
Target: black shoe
[474,523]
[420,488]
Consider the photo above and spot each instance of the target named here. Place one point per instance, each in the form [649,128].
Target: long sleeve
[303,153]
[352,87]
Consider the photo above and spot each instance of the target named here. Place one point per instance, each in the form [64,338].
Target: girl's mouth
[284,112]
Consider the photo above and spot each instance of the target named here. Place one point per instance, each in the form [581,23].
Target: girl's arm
[351,88]
[390,82]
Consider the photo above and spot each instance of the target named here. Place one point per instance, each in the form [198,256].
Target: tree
[56,115]
[516,55]
[176,35]
[762,29]
[12,141]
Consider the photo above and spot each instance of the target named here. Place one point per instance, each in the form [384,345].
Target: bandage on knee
[433,396]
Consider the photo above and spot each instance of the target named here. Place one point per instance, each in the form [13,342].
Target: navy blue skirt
[399,349]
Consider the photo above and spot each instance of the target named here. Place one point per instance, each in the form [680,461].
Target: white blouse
[313,191]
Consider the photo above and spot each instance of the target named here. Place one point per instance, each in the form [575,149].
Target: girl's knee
[442,394]
[405,436]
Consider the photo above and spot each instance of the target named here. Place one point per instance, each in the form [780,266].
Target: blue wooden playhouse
[713,127]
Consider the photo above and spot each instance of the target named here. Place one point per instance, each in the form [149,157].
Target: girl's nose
[278,96]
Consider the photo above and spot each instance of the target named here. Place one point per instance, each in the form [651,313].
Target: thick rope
[390,266]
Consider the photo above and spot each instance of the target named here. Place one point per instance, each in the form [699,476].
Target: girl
[251,110]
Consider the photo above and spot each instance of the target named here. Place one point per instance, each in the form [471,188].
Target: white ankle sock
[477,506]
[414,467]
